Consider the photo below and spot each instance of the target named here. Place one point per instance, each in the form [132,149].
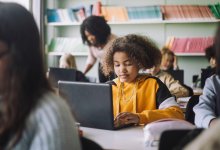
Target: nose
[123,69]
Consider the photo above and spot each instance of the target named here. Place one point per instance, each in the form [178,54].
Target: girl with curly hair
[137,99]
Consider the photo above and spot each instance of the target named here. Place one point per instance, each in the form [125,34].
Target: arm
[87,68]
[166,106]
[205,109]
[53,127]
[174,86]
[91,59]
[175,63]
[170,110]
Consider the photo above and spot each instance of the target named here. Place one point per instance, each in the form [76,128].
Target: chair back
[189,114]
[177,75]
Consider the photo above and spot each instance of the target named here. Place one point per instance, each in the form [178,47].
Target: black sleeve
[81,77]
[162,93]
[111,82]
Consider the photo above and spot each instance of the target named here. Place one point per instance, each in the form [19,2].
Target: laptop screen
[56,74]
[91,103]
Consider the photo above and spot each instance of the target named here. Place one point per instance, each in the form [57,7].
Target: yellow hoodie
[147,97]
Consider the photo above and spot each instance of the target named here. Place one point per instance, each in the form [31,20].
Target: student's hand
[126,118]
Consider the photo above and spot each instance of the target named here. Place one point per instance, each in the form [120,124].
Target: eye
[116,65]
[128,63]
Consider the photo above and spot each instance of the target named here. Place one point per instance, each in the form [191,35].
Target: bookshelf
[156,29]
[140,22]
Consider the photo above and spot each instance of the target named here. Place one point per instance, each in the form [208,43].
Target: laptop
[56,74]
[90,103]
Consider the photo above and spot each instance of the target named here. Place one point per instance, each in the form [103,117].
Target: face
[167,61]
[212,62]
[64,64]
[91,38]
[124,67]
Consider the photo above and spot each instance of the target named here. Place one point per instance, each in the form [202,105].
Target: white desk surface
[131,138]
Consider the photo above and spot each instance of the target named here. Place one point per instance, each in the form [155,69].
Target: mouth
[123,76]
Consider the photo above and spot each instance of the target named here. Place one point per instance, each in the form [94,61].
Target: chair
[88,144]
[205,74]
[177,139]
[189,114]
[177,75]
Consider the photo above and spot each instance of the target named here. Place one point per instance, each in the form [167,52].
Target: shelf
[190,54]
[141,22]
[73,53]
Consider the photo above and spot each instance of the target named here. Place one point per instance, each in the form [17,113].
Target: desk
[131,138]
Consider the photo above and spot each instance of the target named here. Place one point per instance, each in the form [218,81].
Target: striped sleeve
[51,126]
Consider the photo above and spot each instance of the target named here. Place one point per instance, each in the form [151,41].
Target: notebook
[91,103]
[56,74]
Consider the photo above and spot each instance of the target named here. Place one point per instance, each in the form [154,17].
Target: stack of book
[144,13]
[186,12]
[215,10]
[67,45]
[114,13]
[122,14]
[189,45]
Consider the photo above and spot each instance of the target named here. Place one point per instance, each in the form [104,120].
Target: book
[53,16]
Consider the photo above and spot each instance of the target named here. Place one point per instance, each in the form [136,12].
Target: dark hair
[24,80]
[210,52]
[97,26]
[217,49]
[139,48]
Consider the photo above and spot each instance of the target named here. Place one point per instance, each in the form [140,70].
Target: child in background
[208,108]
[210,55]
[68,61]
[174,86]
[137,99]
[169,60]
[32,116]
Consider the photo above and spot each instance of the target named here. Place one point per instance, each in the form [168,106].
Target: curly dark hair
[210,52]
[97,26]
[140,49]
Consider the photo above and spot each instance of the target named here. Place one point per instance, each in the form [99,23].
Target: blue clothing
[206,109]
[50,126]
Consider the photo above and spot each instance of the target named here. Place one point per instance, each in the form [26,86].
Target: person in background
[208,109]
[32,116]
[96,33]
[169,60]
[174,86]
[210,55]
[68,61]
[137,99]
